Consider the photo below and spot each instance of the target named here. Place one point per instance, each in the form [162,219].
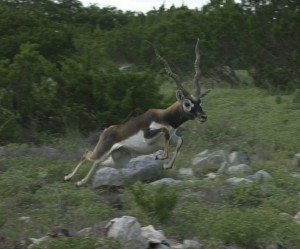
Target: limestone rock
[186,172]
[192,244]
[211,161]
[167,181]
[153,236]
[238,169]
[238,157]
[128,230]
[143,168]
[237,180]
[260,175]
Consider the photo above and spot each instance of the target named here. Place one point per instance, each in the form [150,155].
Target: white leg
[69,176]
[89,174]
[120,158]
[178,140]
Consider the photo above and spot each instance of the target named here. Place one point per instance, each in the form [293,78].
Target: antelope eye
[187,104]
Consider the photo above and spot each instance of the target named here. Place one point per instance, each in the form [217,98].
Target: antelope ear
[179,95]
[202,95]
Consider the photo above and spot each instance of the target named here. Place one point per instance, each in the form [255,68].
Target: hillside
[34,198]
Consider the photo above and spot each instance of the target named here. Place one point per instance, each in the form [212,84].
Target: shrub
[249,195]
[158,201]
[66,205]
[250,227]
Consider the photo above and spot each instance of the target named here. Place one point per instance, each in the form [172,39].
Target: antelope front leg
[88,176]
[178,140]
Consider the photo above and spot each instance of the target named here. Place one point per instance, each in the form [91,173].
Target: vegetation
[62,76]
[59,61]
[251,216]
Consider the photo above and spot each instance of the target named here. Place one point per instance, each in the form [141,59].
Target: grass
[246,119]
[249,216]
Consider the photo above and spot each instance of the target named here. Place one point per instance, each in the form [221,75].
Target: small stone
[236,180]
[238,157]
[153,236]
[238,169]
[167,181]
[192,244]
[187,172]
[260,175]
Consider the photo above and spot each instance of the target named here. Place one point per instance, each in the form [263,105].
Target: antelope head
[191,103]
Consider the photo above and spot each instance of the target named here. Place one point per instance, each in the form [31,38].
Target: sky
[144,5]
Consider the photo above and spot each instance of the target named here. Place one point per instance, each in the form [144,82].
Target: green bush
[242,195]
[249,227]
[226,225]
[283,202]
[66,205]
[29,173]
[157,201]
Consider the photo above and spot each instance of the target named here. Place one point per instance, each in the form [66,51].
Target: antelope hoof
[167,166]
[78,184]
[67,178]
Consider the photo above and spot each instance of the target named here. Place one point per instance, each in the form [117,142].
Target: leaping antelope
[151,131]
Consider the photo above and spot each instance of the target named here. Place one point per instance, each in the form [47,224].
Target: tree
[29,79]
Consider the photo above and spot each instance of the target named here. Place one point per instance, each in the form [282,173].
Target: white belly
[140,145]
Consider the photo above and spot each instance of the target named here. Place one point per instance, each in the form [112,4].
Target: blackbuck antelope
[151,131]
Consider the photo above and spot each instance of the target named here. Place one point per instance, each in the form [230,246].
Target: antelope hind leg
[153,134]
[69,176]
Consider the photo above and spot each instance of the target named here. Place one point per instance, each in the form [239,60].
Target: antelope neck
[174,115]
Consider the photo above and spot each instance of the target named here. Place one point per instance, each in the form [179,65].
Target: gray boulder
[237,180]
[167,181]
[108,176]
[238,157]
[186,172]
[153,236]
[215,161]
[260,175]
[192,244]
[238,169]
[143,168]
[128,230]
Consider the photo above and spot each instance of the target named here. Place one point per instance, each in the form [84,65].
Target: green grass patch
[248,215]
